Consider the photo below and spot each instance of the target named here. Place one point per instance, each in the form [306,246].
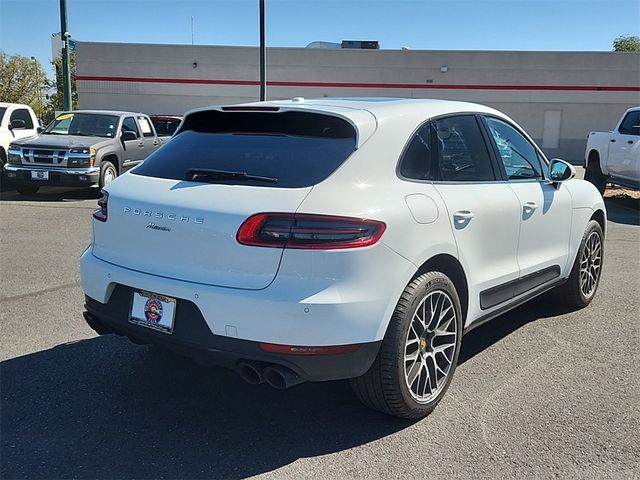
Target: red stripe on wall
[197,81]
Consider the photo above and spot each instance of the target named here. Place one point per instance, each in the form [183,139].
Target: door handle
[629,141]
[462,216]
[613,140]
[141,144]
[530,207]
[155,143]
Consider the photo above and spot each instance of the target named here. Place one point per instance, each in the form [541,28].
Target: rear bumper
[192,337]
[73,177]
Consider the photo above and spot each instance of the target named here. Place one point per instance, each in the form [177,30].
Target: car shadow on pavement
[487,334]
[104,408]
[623,209]
[51,194]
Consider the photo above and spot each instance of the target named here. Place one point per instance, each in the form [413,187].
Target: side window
[631,120]
[22,114]
[129,125]
[145,127]
[416,160]
[462,152]
[518,155]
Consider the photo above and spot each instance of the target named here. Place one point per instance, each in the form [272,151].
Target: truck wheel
[27,189]
[108,174]
[594,174]
[419,352]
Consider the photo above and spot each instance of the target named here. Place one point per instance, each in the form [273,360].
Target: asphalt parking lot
[540,392]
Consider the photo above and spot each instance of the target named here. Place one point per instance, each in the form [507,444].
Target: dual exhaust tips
[274,375]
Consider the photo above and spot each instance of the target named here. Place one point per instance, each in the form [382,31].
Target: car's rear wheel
[594,174]
[108,174]
[27,189]
[580,288]
[419,353]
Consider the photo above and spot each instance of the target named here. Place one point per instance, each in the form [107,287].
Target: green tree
[23,80]
[626,43]
[57,98]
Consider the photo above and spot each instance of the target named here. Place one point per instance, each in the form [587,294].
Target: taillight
[102,213]
[303,230]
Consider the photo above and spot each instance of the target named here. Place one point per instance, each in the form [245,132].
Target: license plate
[152,310]
[39,175]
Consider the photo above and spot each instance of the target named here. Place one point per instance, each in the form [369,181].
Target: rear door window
[461,151]
[297,149]
[145,126]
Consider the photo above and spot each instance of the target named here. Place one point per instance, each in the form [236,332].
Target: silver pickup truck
[83,148]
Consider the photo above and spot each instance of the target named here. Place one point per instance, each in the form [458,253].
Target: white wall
[525,85]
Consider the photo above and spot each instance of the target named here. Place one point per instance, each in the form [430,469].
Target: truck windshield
[83,124]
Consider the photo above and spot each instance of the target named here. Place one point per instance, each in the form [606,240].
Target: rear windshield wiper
[207,174]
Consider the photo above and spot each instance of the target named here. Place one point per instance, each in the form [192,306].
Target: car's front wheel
[581,286]
[419,353]
[108,174]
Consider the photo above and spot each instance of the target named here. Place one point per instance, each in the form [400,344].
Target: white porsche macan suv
[313,240]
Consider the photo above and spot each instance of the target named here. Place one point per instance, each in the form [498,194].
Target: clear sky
[26,25]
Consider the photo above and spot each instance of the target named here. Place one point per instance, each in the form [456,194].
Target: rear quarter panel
[367,186]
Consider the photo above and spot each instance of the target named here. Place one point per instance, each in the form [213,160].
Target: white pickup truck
[16,121]
[614,157]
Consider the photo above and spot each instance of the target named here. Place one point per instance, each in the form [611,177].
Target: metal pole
[263,56]
[66,72]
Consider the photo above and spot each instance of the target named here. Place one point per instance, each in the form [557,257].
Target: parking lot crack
[38,292]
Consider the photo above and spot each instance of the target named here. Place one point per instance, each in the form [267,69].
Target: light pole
[263,55]
[66,73]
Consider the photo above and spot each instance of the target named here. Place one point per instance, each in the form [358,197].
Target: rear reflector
[308,231]
[302,350]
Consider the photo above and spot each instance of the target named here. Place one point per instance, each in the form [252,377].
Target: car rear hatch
[177,214]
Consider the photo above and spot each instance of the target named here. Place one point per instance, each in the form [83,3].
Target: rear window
[298,149]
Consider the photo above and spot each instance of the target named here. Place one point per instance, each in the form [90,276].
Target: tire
[108,173]
[393,385]
[578,291]
[5,183]
[27,189]
[594,174]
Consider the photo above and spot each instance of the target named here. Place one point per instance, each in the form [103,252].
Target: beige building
[558,97]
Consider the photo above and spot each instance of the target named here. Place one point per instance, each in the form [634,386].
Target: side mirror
[16,124]
[40,129]
[128,135]
[560,171]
